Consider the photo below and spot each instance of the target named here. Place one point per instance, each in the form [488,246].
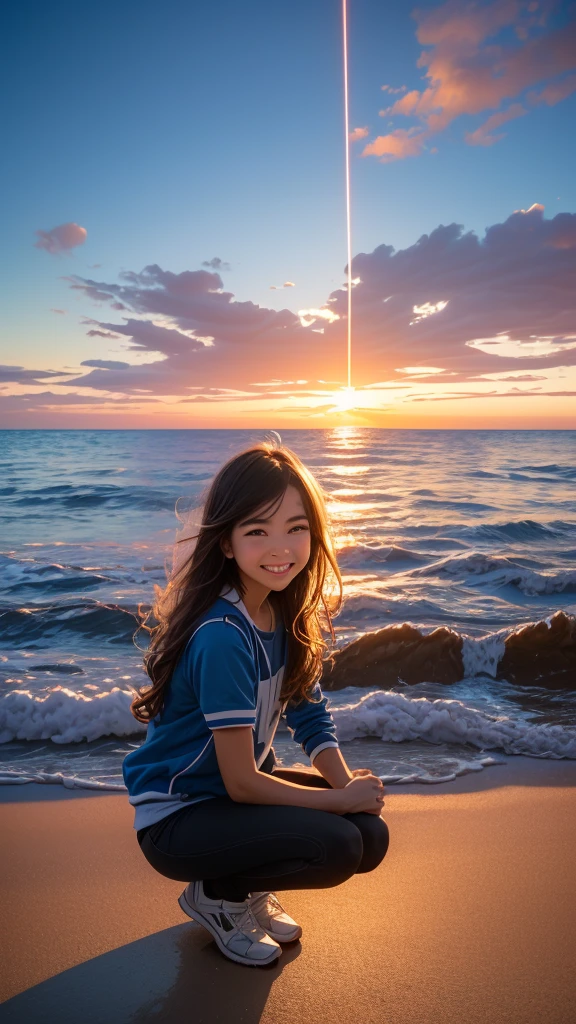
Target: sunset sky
[175,221]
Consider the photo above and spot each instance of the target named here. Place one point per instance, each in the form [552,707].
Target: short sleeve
[223,675]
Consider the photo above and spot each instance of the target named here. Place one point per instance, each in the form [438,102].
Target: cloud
[510,299]
[216,264]
[483,135]
[453,308]
[62,311]
[397,145]
[106,364]
[554,93]
[309,316]
[18,375]
[277,287]
[54,400]
[101,334]
[61,238]
[513,287]
[358,133]
[478,57]
[513,393]
[196,333]
[514,376]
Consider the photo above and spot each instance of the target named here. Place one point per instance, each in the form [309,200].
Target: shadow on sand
[177,975]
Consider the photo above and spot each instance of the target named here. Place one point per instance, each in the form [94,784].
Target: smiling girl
[239,645]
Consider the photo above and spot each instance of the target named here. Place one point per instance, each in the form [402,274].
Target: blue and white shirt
[229,674]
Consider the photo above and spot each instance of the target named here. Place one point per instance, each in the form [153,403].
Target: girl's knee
[375,839]
[344,849]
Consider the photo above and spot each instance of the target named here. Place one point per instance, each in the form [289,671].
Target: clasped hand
[377,789]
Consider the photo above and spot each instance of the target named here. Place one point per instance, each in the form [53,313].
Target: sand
[470,919]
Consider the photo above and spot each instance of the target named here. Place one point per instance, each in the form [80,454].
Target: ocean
[474,530]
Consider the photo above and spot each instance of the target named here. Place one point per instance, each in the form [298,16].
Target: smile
[279,570]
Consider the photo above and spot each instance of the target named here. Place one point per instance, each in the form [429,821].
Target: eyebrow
[249,522]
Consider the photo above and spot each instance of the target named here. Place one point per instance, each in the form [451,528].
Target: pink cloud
[61,238]
[406,106]
[483,135]
[554,93]
[396,146]
[517,279]
[502,303]
[471,69]
[358,133]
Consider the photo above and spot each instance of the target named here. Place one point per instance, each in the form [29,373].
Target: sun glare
[345,399]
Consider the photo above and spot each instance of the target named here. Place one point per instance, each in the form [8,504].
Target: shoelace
[264,898]
[244,920]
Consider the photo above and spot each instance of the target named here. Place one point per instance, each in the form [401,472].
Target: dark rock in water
[397,654]
[539,654]
[65,670]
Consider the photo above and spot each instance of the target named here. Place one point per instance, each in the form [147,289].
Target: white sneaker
[272,917]
[232,925]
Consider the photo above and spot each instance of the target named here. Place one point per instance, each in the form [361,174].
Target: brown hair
[255,480]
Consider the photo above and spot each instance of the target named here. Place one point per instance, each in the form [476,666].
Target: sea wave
[64,716]
[370,555]
[36,625]
[394,717]
[524,531]
[566,472]
[501,572]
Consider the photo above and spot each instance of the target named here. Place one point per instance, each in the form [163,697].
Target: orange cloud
[406,106]
[397,145]
[358,133]
[470,70]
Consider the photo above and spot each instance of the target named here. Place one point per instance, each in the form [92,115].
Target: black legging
[245,848]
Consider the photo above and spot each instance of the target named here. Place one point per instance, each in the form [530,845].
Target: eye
[259,529]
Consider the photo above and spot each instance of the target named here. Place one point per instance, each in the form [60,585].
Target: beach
[469,918]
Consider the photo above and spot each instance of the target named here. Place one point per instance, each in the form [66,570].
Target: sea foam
[64,716]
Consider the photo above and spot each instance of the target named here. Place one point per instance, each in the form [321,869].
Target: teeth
[278,568]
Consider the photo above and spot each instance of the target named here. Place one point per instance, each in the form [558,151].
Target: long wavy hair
[254,481]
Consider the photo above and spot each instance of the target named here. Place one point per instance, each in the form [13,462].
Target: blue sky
[181,132]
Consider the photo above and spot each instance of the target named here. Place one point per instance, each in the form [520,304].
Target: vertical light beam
[348,229]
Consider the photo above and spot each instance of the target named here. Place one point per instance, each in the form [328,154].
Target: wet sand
[468,920]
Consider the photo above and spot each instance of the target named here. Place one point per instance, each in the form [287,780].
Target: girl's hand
[364,792]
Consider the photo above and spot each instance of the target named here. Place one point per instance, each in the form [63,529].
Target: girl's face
[281,541]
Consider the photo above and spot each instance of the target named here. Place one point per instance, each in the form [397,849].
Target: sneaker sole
[200,919]
[285,938]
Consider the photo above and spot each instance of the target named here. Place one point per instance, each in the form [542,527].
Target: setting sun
[345,399]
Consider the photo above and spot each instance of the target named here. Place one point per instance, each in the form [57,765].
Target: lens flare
[348,218]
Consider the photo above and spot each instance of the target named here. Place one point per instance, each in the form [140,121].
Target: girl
[238,645]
